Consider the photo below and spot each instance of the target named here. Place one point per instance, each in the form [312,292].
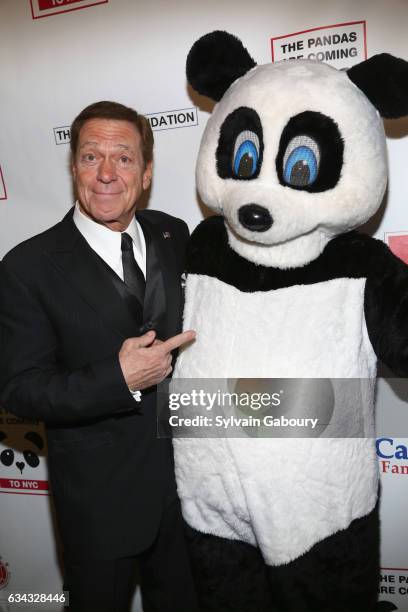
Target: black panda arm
[386,310]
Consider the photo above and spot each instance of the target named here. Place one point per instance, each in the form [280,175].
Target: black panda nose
[255,218]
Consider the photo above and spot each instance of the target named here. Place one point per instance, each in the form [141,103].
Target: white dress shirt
[107,244]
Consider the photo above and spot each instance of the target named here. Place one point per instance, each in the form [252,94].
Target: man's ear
[384,80]
[215,61]
[147,174]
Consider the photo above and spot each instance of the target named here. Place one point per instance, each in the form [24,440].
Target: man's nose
[107,171]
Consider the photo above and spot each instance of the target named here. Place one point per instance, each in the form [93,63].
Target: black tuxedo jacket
[63,318]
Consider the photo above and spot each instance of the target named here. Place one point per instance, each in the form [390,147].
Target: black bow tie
[132,274]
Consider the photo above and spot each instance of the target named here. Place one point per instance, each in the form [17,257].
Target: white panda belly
[310,331]
[283,495]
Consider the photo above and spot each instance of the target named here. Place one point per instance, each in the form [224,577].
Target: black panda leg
[340,574]
[230,576]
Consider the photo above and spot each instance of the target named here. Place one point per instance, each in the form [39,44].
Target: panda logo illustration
[25,452]
[281,286]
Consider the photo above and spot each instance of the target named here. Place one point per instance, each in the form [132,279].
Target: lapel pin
[166,235]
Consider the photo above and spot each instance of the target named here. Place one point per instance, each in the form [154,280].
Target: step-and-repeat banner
[56,57]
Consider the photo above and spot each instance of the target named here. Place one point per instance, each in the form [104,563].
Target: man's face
[109,171]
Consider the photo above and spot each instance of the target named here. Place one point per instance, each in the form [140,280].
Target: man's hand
[146,361]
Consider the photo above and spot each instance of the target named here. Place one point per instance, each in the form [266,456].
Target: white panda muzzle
[255,218]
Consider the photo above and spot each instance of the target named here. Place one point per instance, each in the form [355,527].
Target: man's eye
[125,159]
[89,157]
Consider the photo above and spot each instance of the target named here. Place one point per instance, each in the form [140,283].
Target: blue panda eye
[301,162]
[246,154]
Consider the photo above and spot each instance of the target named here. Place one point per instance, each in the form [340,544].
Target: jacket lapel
[154,306]
[163,288]
[82,268]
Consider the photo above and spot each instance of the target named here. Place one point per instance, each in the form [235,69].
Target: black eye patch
[31,459]
[310,155]
[240,146]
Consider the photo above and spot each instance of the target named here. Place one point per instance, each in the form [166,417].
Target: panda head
[294,152]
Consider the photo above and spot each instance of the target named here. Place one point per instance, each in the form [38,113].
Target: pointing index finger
[178,340]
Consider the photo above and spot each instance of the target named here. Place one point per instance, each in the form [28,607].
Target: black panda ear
[215,61]
[35,438]
[384,80]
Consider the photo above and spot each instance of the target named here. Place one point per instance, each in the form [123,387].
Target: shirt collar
[105,241]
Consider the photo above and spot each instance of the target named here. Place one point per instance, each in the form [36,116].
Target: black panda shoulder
[350,255]
[207,243]
[355,255]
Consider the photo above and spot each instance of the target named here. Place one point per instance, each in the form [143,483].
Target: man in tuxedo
[90,312]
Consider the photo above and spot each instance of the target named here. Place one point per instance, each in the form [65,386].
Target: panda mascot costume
[279,285]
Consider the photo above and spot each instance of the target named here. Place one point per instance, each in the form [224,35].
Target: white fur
[283,495]
[310,331]
[303,222]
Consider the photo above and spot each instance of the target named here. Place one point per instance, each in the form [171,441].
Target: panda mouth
[255,218]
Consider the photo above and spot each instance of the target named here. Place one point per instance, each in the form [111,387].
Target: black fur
[350,255]
[325,132]
[215,61]
[384,80]
[230,576]
[386,312]
[339,574]
[240,119]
